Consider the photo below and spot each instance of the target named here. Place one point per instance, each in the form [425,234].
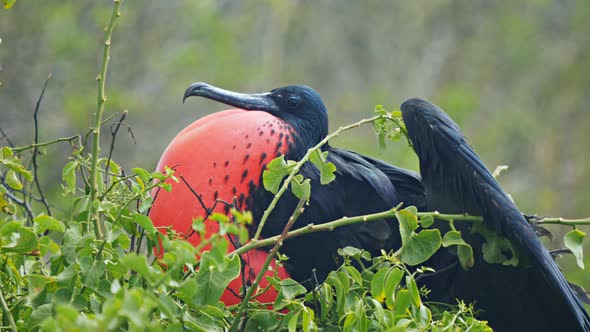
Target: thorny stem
[101,79]
[298,166]
[36,140]
[279,242]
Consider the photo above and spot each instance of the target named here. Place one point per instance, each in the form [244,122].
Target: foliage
[57,272]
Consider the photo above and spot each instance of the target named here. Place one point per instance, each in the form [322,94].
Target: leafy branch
[564,221]
[38,145]
[279,242]
[294,170]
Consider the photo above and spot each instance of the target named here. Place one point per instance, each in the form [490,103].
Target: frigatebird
[224,155]
[532,296]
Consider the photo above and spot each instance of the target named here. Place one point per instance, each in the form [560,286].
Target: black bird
[534,296]
[363,185]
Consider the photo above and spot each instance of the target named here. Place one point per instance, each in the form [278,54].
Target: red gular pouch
[221,157]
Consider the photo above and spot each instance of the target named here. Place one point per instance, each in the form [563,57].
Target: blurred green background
[514,75]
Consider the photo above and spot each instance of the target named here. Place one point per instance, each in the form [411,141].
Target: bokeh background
[514,75]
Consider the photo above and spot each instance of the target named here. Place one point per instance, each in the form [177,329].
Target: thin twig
[279,242]
[35,142]
[199,198]
[101,79]
[4,136]
[113,137]
[298,166]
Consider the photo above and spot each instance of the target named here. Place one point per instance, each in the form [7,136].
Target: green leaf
[426,221]
[274,173]
[452,238]
[465,254]
[5,152]
[354,274]
[12,180]
[293,322]
[378,284]
[242,217]
[495,247]
[408,223]
[27,241]
[402,301]
[81,205]
[13,163]
[116,169]
[262,321]
[68,175]
[340,295]
[45,222]
[421,246]
[307,316]
[5,205]
[392,281]
[355,253]
[142,173]
[288,290]
[219,217]
[145,223]
[213,276]
[414,292]
[300,187]
[327,169]
[39,314]
[47,245]
[573,240]
[9,227]
[424,316]
[139,264]
[8,3]
[92,272]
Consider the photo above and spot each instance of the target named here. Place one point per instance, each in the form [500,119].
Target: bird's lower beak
[251,102]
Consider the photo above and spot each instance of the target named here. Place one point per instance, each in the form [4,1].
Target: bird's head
[299,106]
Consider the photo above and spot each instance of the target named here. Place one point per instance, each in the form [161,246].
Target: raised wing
[457,181]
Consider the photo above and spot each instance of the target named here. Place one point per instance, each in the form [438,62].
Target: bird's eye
[293,102]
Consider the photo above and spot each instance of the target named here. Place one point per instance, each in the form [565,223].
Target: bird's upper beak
[251,102]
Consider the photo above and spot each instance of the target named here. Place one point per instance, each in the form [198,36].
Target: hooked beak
[251,102]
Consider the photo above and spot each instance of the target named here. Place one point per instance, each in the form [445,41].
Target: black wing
[532,298]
